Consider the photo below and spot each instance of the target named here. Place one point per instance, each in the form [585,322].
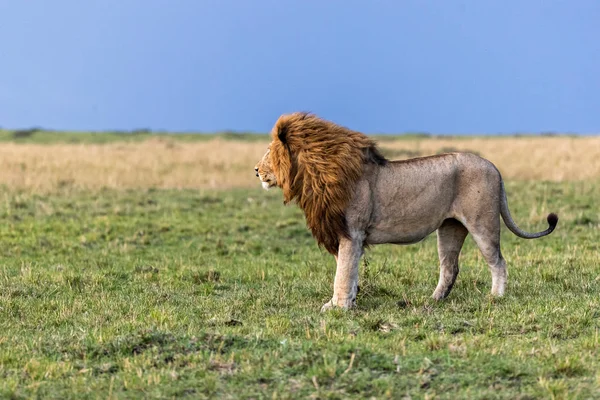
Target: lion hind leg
[450,236]
[487,238]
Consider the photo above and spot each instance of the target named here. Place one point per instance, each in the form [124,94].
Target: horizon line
[145,130]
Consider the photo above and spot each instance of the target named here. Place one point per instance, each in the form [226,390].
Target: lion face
[264,171]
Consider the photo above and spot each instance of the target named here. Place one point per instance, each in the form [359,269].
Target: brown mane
[318,163]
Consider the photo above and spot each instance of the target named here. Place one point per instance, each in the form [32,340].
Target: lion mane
[317,164]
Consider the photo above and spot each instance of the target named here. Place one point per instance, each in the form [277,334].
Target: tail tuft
[552,221]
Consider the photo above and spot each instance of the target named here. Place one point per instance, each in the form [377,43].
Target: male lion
[353,197]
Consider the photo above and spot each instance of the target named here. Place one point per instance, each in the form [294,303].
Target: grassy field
[157,268]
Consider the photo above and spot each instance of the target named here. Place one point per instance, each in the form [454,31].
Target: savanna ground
[150,266]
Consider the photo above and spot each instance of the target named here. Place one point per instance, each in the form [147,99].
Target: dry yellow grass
[164,163]
[524,158]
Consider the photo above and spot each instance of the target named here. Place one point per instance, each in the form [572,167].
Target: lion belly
[411,199]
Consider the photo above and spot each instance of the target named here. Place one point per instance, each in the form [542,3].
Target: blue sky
[377,66]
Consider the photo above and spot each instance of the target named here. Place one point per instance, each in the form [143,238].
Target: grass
[149,265]
[219,162]
[44,136]
[129,293]
[48,136]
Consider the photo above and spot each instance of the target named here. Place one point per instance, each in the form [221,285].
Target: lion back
[317,164]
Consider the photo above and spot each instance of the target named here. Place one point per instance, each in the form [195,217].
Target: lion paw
[331,305]
[327,306]
[439,295]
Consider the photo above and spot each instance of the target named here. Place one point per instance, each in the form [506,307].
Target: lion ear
[282,133]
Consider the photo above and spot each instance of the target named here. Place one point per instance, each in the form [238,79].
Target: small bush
[24,133]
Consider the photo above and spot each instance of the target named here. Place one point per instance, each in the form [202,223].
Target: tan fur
[352,197]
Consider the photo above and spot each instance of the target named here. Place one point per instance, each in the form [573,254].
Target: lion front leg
[345,286]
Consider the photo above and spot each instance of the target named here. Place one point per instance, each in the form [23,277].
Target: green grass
[40,136]
[43,136]
[161,294]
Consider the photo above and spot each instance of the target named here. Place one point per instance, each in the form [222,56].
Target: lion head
[265,172]
[317,164]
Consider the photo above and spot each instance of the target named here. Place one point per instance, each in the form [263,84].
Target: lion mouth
[266,184]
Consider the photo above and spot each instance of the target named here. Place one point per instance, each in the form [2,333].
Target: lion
[353,197]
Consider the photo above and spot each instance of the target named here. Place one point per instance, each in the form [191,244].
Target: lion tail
[510,223]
